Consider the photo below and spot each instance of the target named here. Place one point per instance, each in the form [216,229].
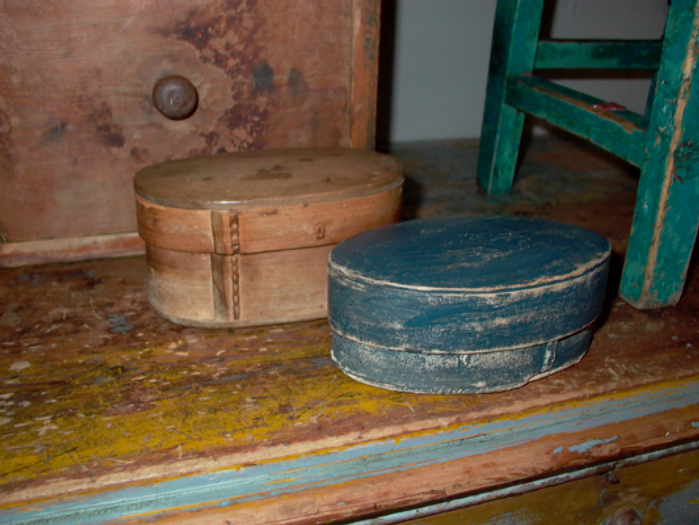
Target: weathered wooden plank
[587,54]
[268,75]
[663,489]
[667,206]
[366,21]
[99,394]
[69,249]
[236,484]
[620,132]
[148,401]
[513,50]
[78,120]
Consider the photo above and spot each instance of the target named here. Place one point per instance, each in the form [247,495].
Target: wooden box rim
[251,180]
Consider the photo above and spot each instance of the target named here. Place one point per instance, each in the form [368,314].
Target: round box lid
[261,178]
[467,284]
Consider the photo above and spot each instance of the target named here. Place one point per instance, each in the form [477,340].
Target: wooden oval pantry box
[452,305]
[243,238]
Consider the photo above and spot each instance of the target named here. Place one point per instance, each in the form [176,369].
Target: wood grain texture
[173,228]
[13,254]
[457,373]
[181,284]
[284,286]
[284,199]
[661,491]
[221,400]
[620,132]
[110,411]
[467,284]
[263,206]
[320,224]
[464,304]
[250,180]
[366,21]
[77,116]
[226,232]
[666,217]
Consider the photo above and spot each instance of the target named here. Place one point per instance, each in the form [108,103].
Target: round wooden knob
[175,97]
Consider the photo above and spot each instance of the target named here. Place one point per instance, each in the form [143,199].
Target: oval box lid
[245,180]
[463,285]
[262,201]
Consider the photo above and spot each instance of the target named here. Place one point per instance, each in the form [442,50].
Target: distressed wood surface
[109,411]
[513,50]
[620,132]
[667,206]
[445,305]
[666,217]
[661,491]
[366,21]
[283,199]
[586,54]
[243,238]
[13,254]
[77,120]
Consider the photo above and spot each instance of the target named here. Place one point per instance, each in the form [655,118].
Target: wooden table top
[109,411]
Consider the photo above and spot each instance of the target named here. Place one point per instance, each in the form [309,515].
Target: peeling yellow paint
[103,417]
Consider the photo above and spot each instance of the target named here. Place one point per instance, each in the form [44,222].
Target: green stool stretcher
[663,143]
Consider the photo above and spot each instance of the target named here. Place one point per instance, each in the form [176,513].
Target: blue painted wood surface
[367,461]
[464,304]
[258,420]
[464,373]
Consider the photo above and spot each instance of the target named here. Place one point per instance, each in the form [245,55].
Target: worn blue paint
[119,324]
[260,481]
[680,507]
[256,482]
[585,447]
[456,373]
[464,304]
[483,497]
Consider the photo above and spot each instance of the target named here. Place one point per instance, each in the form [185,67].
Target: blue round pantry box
[464,304]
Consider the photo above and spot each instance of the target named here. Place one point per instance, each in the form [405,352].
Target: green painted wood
[595,54]
[667,206]
[650,97]
[620,132]
[661,491]
[667,209]
[515,35]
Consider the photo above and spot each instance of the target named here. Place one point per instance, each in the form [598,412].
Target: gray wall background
[441,50]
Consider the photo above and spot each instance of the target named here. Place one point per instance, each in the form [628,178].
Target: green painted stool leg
[515,36]
[667,206]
